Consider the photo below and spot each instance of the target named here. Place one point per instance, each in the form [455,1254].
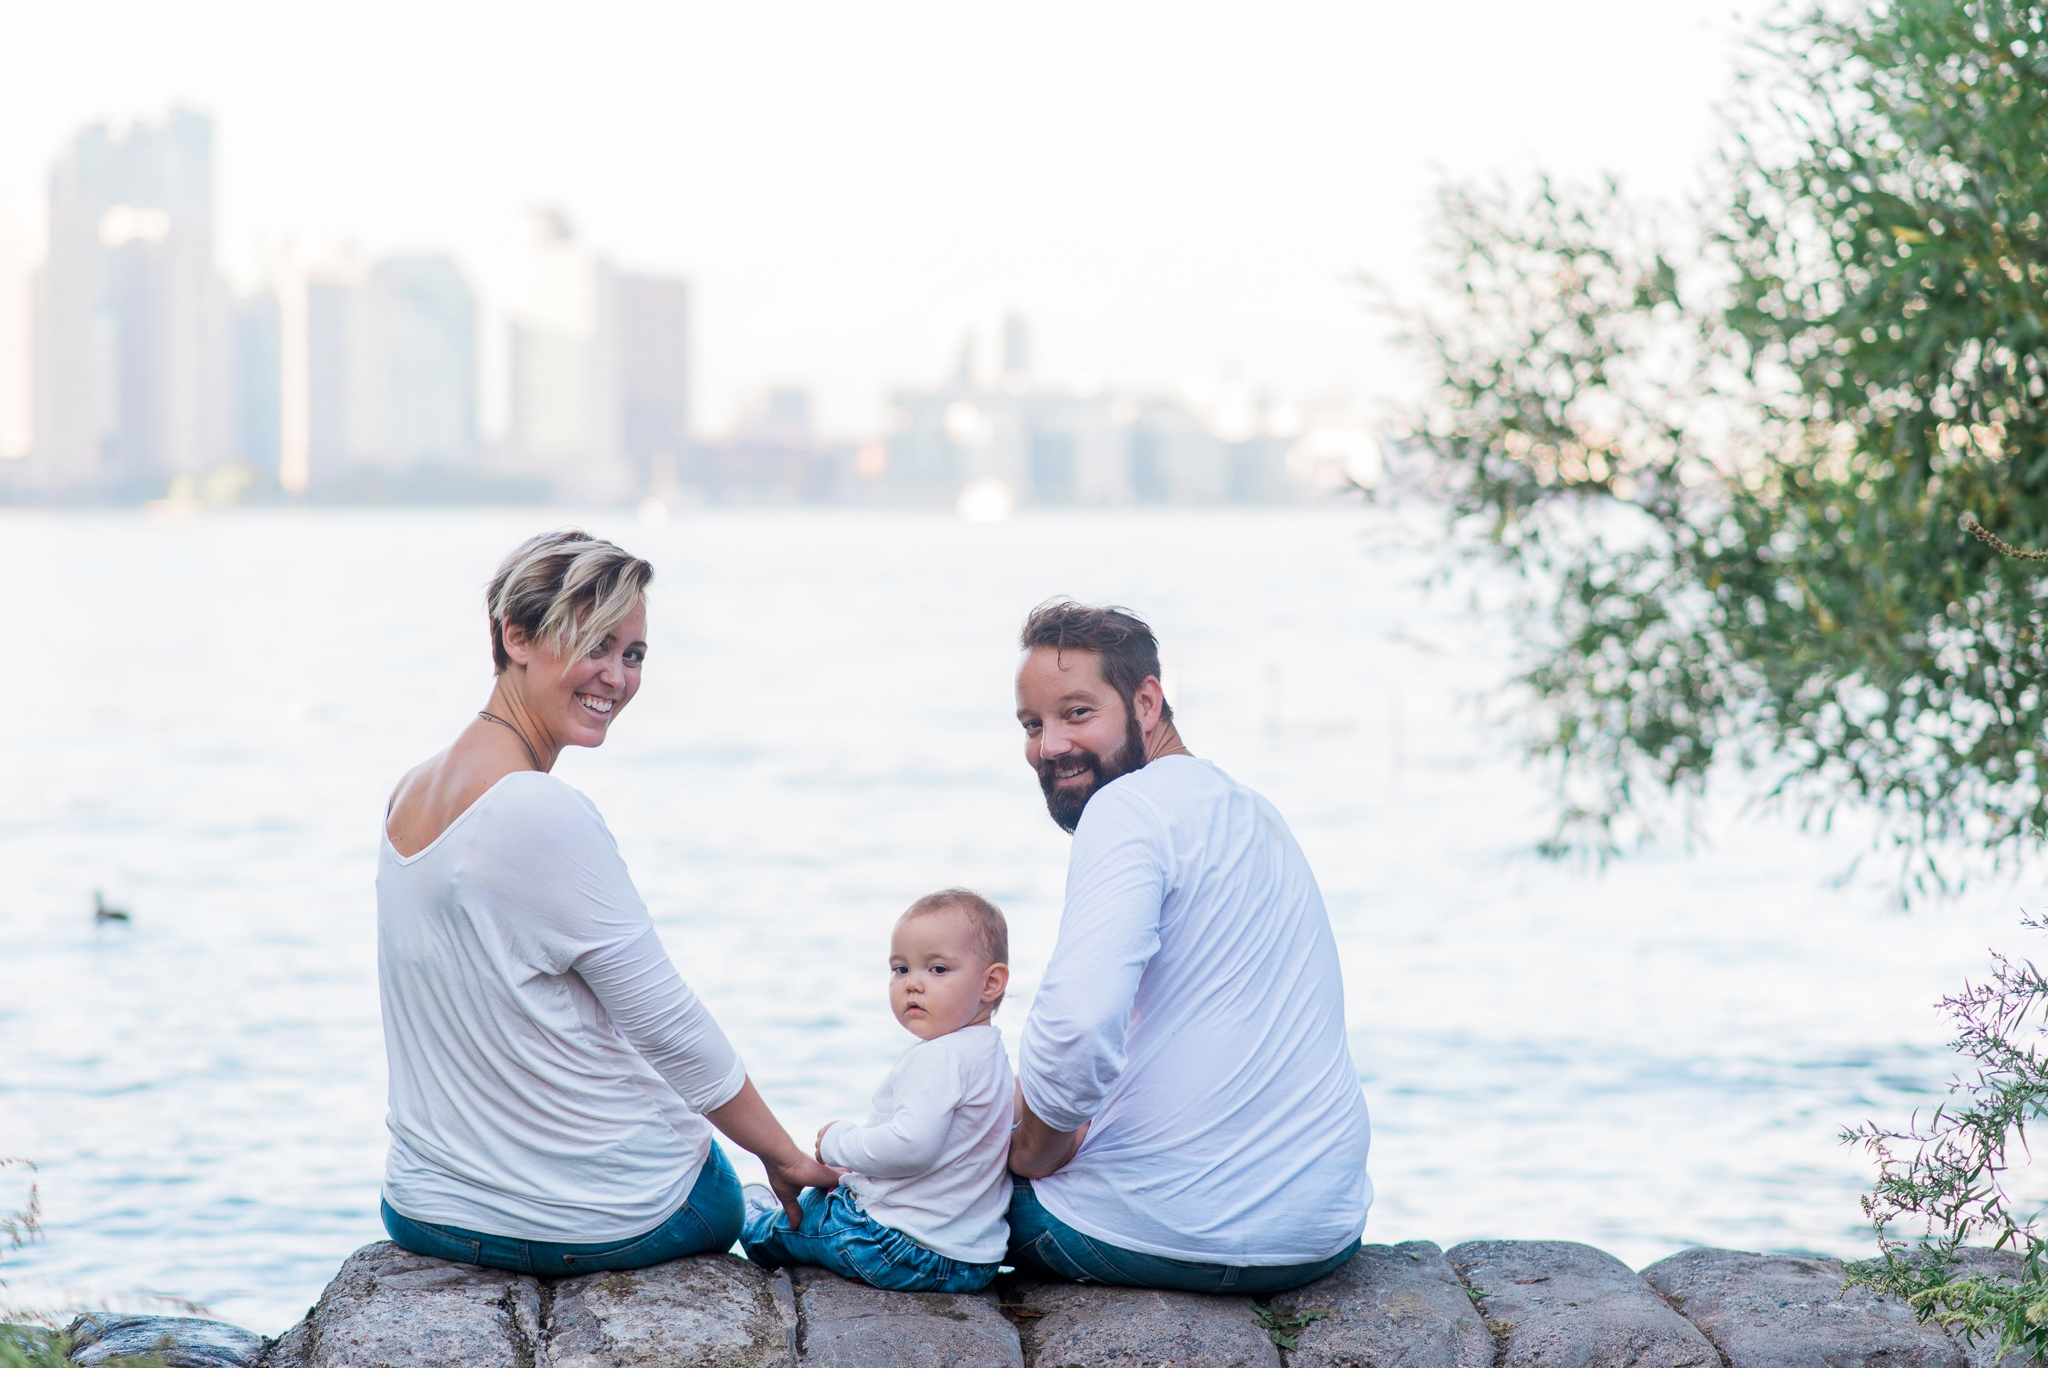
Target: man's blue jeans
[838,1235]
[1043,1245]
[707,1222]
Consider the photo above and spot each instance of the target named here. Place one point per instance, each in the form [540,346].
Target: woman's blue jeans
[1043,1245]
[708,1221]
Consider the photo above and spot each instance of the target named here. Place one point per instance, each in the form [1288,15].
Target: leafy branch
[1950,1171]
[1724,456]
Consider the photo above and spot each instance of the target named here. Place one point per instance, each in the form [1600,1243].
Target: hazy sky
[1168,192]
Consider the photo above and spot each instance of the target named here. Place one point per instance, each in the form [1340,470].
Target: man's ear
[1147,701]
[996,982]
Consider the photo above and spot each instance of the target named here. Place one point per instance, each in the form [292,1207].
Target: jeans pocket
[430,1240]
[882,1257]
[445,1244]
[617,1257]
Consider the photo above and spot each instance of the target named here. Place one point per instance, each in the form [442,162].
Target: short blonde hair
[566,590]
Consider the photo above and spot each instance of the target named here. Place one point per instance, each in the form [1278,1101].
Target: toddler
[922,1206]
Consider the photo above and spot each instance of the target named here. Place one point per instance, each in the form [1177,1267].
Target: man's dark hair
[1125,643]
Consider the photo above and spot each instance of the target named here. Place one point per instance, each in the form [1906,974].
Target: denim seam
[1066,1265]
[1104,1262]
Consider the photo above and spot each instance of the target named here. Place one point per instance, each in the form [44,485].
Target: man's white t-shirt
[1193,1010]
[933,1158]
[548,1065]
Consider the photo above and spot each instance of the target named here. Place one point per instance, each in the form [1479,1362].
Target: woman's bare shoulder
[434,795]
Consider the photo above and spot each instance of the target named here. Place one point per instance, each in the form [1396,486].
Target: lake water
[203,718]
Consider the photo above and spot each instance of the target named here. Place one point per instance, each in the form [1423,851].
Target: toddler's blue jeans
[838,1235]
[1042,1245]
[708,1221]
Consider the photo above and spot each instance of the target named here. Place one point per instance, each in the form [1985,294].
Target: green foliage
[1285,1328]
[25,1343]
[1731,472]
[1950,1172]
[33,1346]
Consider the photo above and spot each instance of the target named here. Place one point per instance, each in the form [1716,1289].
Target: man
[1188,1113]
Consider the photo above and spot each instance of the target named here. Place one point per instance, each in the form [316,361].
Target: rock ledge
[1491,1303]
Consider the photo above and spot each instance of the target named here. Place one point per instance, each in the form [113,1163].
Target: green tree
[1738,465]
[1730,458]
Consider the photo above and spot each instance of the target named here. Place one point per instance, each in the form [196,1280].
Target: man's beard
[1066,803]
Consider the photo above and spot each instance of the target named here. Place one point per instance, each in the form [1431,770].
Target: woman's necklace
[497,720]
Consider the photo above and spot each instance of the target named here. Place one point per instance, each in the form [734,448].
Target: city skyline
[1170,194]
[150,376]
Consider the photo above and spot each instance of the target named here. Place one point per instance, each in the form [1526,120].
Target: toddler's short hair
[991,931]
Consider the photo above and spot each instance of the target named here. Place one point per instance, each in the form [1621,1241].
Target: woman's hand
[747,1122]
[789,1177]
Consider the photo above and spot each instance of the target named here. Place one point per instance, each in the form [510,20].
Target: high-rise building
[600,401]
[653,317]
[564,419]
[258,376]
[1175,460]
[337,365]
[424,315]
[1016,348]
[132,329]
[17,374]
[385,357]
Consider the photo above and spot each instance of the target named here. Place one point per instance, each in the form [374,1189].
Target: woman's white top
[1193,1009]
[933,1158]
[548,1066]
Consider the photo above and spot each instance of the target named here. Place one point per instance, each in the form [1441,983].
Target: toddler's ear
[996,982]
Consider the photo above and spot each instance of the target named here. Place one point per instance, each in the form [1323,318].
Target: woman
[551,1075]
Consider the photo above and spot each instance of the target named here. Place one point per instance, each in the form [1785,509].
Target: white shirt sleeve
[909,1139]
[663,1019]
[1073,1046]
[583,913]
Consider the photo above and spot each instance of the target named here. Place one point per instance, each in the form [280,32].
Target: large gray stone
[1084,1325]
[1392,1306]
[294,1348]
[389,1308]
[100,1338]
[846,1324]
[707,1311]
[1783,1311]
[1554,1304]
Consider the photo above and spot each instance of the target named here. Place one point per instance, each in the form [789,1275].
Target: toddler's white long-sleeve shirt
[933,1158]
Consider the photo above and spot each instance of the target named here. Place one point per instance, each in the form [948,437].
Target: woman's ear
[996,982]
[518,643]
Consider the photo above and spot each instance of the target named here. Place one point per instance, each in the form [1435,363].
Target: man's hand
[1036,1149]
